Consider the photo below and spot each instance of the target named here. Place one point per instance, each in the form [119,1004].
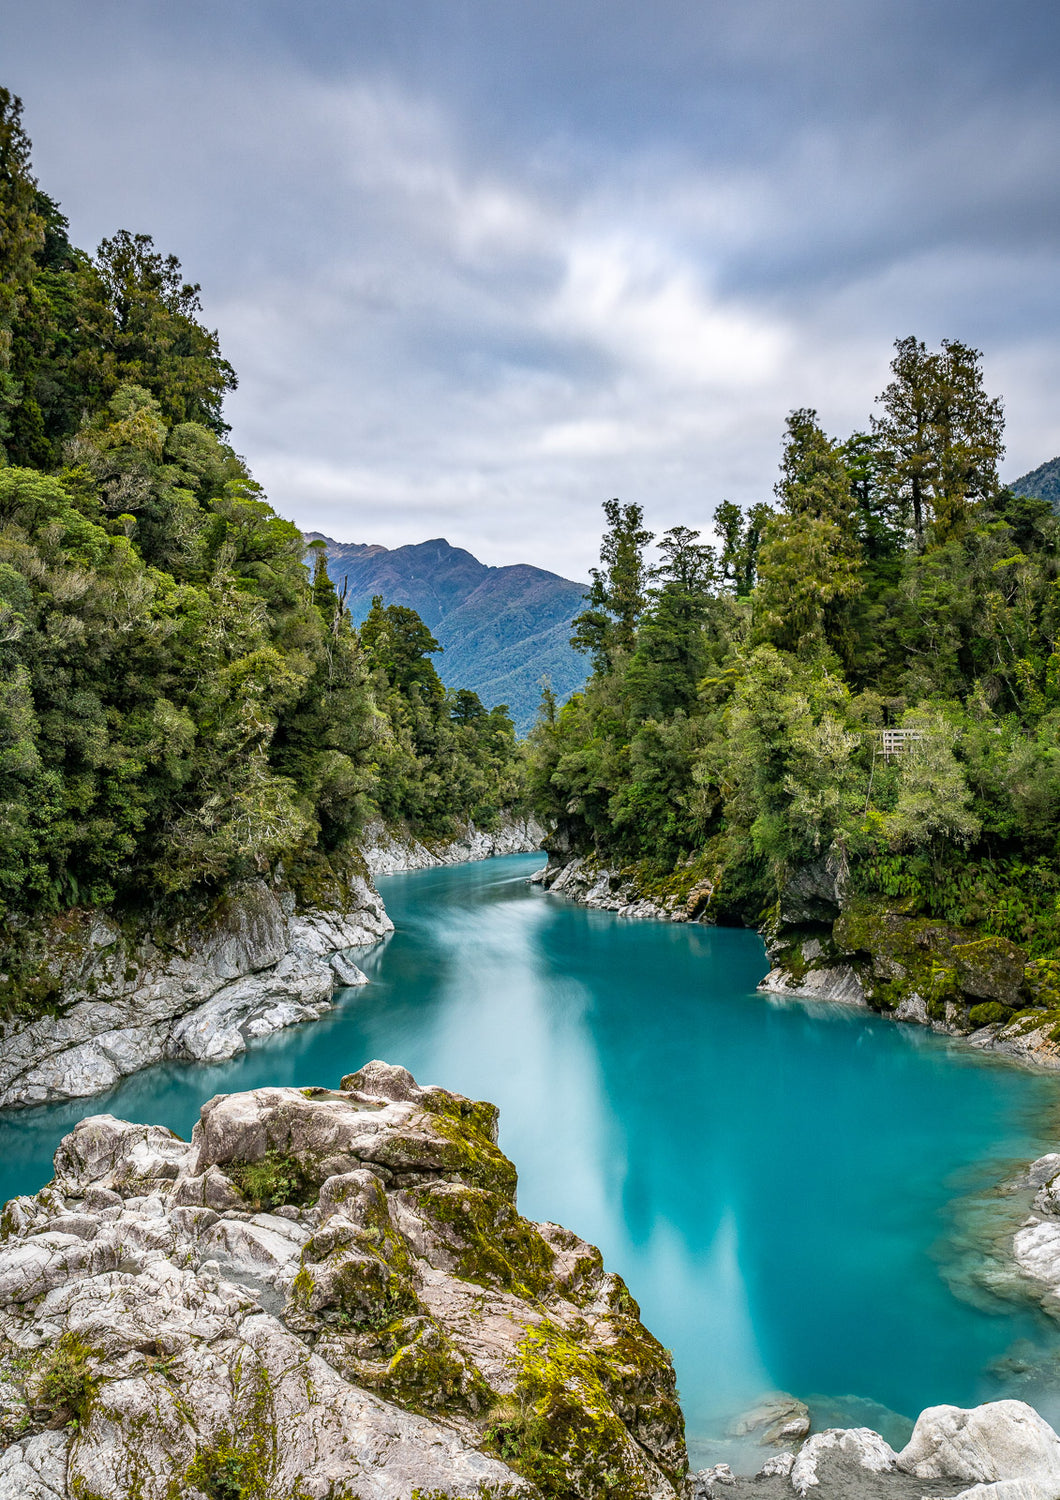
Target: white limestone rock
[36,1468]
[387,852]
[913,1009]
[330,1342]
[1009,1489]
[838,983]
[253,966]
[1043,1170]
[858,1444]
[1036,1250]
[1000,1440]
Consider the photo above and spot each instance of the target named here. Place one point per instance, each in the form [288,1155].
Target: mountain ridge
[502,628]
[1043,483]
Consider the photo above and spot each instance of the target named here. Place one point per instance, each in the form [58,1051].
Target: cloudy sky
[482,264]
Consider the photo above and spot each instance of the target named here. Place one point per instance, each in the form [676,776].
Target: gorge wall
[112,997]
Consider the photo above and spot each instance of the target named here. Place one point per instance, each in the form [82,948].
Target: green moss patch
[68,1384]
[273,1181]
[560,1429]
[493,1245]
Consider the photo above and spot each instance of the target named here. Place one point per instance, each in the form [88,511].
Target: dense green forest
[182,701]
[733,727]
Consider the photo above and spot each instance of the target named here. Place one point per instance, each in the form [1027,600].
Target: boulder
[328,1291]
[858,1445]
[1001,1440]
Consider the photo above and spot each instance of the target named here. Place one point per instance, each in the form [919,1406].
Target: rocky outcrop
[1002,1450]
[388,851]
[117,998]
[122,1000]
[327,1293]
[1036,1246]
[591,884]
[912,968]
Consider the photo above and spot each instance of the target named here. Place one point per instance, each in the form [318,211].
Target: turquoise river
[799,1195]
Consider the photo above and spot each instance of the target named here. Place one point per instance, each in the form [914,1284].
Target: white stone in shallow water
[913,1008]
[346,971]
[840,985]
[1036,1250]
[1044,1169]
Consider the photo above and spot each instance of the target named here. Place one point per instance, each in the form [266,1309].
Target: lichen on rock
[327,1292]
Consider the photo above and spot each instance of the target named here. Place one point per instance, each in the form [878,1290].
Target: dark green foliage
[181,704]
[739,735]
[272,1181]
[607,629]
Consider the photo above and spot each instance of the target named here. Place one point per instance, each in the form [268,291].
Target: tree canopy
[735,733]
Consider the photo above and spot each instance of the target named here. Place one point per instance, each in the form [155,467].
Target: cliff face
[120,1001]
[827,942]
[327,1293]
[118,998]
[387,851]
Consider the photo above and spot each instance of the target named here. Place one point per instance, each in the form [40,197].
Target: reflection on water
[774,1180]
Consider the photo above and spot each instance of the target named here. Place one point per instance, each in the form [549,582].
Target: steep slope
[502,629]
[1043,483]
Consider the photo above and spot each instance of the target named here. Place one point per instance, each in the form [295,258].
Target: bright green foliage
[738,737]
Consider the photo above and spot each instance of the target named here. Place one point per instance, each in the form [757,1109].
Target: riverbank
[824,943]
[119,997]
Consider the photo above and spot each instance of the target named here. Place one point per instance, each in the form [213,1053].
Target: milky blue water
[785,1187]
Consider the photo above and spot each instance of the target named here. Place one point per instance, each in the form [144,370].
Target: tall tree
[939,437]
[740,534]
[672,646]
[619,590]
[809,560]
[21,236]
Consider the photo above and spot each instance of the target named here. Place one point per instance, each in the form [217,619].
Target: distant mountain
[503,629]
[1043,483]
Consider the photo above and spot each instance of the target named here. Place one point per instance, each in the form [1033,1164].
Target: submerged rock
[327,1293]
[776,1420]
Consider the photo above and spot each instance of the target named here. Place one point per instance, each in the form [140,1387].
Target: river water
[796,1193]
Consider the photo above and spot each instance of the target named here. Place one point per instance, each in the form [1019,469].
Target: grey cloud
[481,267]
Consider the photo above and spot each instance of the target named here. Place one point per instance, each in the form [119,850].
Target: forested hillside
[501,629]
[181,702]
[732,732]
[1043,483]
